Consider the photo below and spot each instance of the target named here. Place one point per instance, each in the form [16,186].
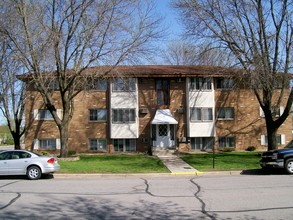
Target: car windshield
[290,144]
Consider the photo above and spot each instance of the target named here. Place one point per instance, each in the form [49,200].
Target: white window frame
[200,84]
[95,113]
[281,137]
[124,84]
[126,147]
[224,110]
[202,143]
[37,144]
[227,141]
[101,144]
[281,111]
[225,83]
[37,115]
[200,113]
[123,116]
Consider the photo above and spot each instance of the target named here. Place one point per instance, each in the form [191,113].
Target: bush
[251,148]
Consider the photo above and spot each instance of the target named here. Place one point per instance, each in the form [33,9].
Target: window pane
[100,84]
[118,84]
[102,114]
[132,84]
[162,89]
[226,142]
[207,114]
[45,114]
[118,145]
[47,144]
[93,115]
[98,144]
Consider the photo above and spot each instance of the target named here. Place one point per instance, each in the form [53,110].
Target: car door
[17,164]
[4,158]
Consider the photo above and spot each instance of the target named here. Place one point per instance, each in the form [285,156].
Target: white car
[22,162]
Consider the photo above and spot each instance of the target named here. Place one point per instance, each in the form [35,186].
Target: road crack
[203,205]
[11,201]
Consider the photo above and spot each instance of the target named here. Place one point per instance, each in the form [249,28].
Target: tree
[259,35]
[181,52]
[12,91]
[58,41]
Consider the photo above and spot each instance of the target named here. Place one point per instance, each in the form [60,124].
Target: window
[202,143]
[48,144]
[100,84]
[123,116]
[277,111]
[98,115]
[98,144]
[44,114]
[162,88]
[124,84]
[225,113]
[124,145]
[224,83]
[228,141]
[200,83]
[280,139]
[201,114]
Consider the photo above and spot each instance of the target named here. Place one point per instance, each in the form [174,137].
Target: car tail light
[51,160]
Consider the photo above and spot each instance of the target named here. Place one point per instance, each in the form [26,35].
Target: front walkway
[176,165]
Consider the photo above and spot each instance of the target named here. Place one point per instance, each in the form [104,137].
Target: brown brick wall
[247,126]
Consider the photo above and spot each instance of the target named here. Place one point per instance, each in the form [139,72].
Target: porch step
[164,151]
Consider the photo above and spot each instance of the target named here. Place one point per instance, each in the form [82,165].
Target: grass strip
[223,161]
[114,164]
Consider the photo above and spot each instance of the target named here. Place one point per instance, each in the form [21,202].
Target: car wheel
[289,166]
[34,173]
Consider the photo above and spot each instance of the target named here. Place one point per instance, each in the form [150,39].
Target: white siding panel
[124,100]
[201,99]
[124,131]
[202,129]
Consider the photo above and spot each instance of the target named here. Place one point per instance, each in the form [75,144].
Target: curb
[124,175]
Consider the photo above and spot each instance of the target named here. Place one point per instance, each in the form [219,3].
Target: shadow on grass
[264,172]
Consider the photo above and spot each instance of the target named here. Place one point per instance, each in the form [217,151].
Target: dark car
[22,162]
[281,158]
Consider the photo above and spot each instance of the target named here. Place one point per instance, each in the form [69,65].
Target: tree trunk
[64,139]
[16,139]
[271,135]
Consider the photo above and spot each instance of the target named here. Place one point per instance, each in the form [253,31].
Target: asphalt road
[148,197]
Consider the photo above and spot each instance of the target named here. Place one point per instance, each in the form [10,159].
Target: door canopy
[164,116]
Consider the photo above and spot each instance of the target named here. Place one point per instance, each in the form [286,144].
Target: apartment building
[138,108]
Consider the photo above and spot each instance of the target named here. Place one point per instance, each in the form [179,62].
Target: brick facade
[247,125]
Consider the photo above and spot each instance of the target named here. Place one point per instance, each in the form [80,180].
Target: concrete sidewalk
[177,165]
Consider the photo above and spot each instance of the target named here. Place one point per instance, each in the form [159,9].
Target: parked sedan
[22,162]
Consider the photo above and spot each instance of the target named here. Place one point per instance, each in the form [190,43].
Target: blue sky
[171,22]
[170,18]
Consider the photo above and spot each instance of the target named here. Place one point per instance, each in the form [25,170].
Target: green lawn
[146,164]
[223,161]
[114,164]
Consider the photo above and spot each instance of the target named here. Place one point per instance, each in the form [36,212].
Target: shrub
[251,148]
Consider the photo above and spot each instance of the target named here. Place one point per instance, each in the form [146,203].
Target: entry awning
[164,116]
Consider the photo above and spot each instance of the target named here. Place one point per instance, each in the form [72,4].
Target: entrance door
[164,135]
